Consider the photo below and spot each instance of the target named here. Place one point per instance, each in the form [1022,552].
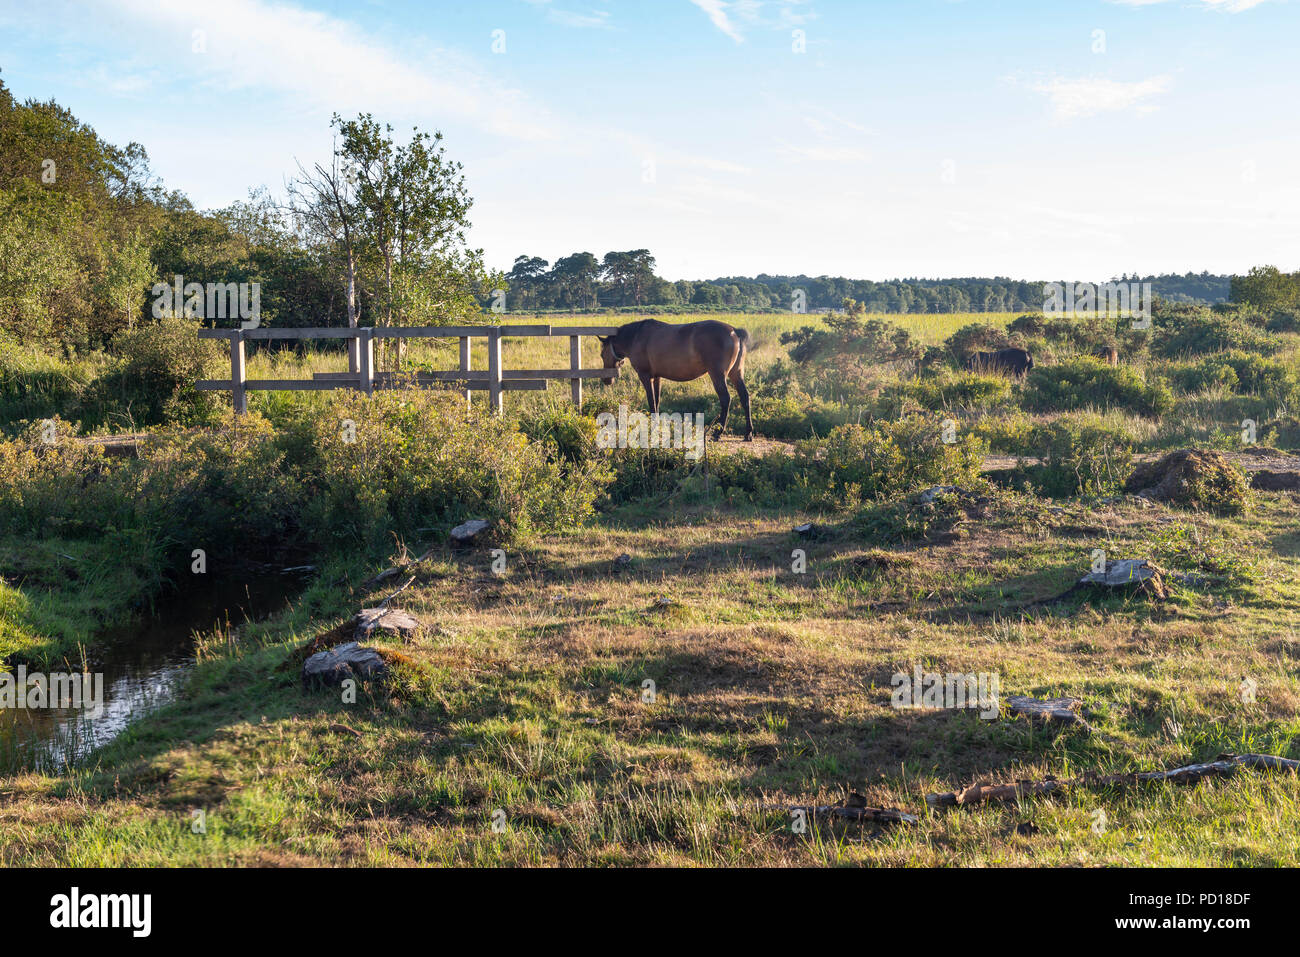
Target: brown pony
[1108,355]
[681,353]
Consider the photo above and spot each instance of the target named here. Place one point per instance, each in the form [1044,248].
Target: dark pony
[658,350]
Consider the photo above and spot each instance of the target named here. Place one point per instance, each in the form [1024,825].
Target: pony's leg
[650,393]
[724,400]
[738,380]
[655,382]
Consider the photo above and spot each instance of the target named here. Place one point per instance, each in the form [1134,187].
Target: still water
[143,665]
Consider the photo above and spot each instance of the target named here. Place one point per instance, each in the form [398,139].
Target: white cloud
[596,19]
[333,64]
[1230,6]
[1091,95]
[751,14]
[716,10]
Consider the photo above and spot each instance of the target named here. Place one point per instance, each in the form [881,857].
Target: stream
[142,664]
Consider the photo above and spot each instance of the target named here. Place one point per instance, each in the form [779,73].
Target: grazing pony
[1108,355]
[1015,361]
[680,353]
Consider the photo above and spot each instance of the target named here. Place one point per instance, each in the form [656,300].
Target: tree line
[627,279]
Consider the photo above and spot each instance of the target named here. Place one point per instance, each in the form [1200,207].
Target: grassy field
[518,727]
[524,693]
[539,352]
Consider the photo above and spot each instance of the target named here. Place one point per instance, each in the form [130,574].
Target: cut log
[392,620]
[469,532]
[341,662]
[1064,710]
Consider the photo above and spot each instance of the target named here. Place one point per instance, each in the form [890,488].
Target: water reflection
[143,665]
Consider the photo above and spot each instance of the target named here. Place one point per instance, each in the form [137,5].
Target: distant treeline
[627,280]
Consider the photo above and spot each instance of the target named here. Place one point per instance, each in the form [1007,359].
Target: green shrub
[856,463]
[797,416]
[1191,333]
[1082,455]
[1245,373]
[419,459]
[978,336]
[1009,434]
[1210,373]
[957,391]
[568,435]
[1283,320]
[1084,382]
[153,380]
[36,386]
[1282,433]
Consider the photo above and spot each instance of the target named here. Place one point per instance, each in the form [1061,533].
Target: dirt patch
[1269,481]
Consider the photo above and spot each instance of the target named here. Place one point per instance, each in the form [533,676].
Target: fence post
[464,367]
[238,372]
[366,360]
[575,363]
[494,370]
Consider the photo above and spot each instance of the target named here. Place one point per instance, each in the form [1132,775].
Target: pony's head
[609,358]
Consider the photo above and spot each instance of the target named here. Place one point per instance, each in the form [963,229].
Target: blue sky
[872,139]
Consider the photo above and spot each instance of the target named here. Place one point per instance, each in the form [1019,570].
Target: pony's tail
[743,336]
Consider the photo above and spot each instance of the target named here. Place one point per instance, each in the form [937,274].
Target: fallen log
[1225,766]
[854,809]
[1047,710]
[394,571]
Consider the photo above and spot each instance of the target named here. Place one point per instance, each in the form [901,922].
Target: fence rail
[494,379]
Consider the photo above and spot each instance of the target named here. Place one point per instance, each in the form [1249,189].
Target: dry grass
[525,693]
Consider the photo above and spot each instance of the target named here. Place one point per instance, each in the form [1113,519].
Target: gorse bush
[856,463]
[1197,332]
[1193,478]
[406,462]
[793,417]
[1084,382]
[847,358]
[956,391]
[403,460]
[1082,455]
[563,430]
[979,336]
[1244,373]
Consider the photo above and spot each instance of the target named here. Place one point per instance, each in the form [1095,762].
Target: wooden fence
[494,379]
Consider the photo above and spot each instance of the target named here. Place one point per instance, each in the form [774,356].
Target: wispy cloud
[1089,96]
[1230,6]
[716,11]
[730,15]
[317,58]
[595,20]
